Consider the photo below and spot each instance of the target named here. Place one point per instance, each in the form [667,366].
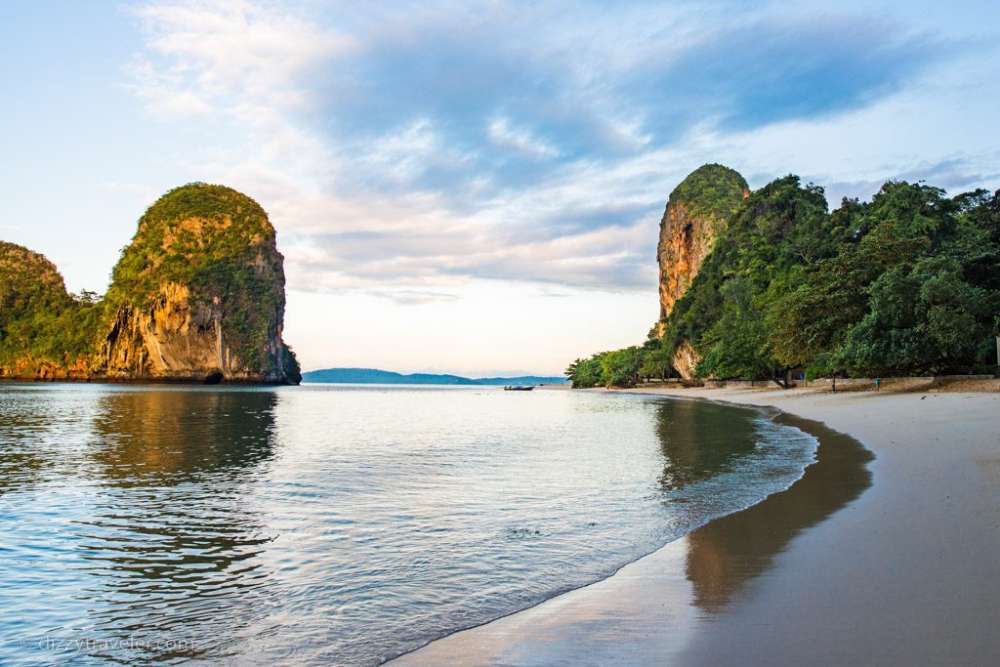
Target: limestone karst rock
[696,216]
[197,296]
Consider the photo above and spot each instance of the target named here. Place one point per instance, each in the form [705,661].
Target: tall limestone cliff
[198,295]
[696,216]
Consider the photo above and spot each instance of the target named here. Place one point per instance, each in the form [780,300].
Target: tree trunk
[782,381]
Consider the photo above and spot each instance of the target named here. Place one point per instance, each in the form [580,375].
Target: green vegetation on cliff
[908,283]
[710,190]
[778,228]
[199,289]
[219,243]
[39,320]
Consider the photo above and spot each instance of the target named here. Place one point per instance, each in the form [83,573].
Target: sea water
[332,524]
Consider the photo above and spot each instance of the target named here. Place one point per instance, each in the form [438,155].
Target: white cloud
[412,208]
[409,245]
[165,92]
[244,57]
[503,133]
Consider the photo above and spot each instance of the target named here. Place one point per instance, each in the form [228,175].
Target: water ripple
[339,525]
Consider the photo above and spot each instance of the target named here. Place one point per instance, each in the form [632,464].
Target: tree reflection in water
[727,553]
[701,439]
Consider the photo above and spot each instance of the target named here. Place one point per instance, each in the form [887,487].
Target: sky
[472,187]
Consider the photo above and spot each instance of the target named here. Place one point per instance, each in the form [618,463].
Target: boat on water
[518,387]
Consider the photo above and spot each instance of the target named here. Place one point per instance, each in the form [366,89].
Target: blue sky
[473,189]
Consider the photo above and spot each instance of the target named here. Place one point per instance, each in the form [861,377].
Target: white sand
[906,574]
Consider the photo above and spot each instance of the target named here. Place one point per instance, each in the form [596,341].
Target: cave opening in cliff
[215,377]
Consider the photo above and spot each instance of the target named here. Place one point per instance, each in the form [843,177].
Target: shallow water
[332,524]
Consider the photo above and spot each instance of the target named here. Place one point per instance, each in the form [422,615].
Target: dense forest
[907,284]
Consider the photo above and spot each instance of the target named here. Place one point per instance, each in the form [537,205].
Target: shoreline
[185,381]
[904,572]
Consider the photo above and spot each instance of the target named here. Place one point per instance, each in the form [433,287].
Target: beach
[885,552]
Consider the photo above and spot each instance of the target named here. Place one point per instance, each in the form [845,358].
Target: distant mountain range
[375,376]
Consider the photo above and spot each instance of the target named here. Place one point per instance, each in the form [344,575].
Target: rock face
[197,296]
[696,215]
[685,359]
[199,293]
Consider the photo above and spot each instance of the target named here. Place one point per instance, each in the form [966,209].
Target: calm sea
[339,524]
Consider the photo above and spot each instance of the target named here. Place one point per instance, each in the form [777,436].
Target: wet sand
[889,561]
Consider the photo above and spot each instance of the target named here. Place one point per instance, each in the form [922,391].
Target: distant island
[198,295]
[376,376]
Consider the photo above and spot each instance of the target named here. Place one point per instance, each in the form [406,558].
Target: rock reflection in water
[649,612]
[168,436]
[726,554]
[701,439]
[166,558]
